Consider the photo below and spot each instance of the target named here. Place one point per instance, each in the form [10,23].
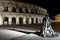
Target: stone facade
[12,12]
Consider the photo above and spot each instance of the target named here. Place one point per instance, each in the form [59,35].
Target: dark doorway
[13,21]
[20,10]
[32,20]
[27,11]
[20,20]
[32,12]
[36,20]
[6,9]
[27,20]
[13,9]
[36,11]
[5,21]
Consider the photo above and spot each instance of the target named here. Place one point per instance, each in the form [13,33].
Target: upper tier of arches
[12,6]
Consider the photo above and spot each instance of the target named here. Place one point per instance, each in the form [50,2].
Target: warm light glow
[57,18]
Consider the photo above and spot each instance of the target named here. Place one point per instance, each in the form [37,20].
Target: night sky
[53,7]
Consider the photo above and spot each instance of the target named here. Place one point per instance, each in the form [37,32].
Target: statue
[46,30]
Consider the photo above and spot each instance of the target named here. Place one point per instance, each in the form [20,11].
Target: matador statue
[46,30]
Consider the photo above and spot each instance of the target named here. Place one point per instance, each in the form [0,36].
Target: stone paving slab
[9,34]
[35,37]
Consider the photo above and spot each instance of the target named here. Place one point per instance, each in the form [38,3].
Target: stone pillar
[23,9]
[30,21]
[29,10]
[34,20]
[1,20]
[9,9]
[39,20]
[10,21]
[37,11]
[17,10]
[1,8]
[17,21]
[24,20]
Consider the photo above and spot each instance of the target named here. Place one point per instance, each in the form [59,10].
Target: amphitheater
[14,17]
[17,13]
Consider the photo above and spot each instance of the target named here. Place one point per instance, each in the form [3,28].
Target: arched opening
[13,21]
[13,9]
[32,12]
[21,20]
[36,11]
[27,20]
[6,9]
[36,20]
[5,21]
[32,20]
[20,10]
[27,11]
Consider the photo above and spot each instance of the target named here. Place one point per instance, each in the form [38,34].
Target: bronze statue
[47,30]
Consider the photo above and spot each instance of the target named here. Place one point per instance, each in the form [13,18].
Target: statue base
[49,35]
[53,37]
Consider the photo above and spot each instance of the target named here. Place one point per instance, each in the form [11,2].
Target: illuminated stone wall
[27,13]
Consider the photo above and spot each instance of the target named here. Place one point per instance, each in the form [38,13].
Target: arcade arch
[13,21]
[13,9]
[5,20]
[20,20]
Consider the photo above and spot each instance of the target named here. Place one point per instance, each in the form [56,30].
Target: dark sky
[53,7]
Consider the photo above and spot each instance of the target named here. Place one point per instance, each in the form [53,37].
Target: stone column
[17,10]
[30,21]
[23,9]
[1,20]
[34,20]
[39,20]
[1,9]
[24,20]
[17,21]
[10,9]
[29,10]
[10,21]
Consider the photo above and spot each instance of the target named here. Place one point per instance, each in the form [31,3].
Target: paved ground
[15,35]
[32,27]
[9,34]
[35,37]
